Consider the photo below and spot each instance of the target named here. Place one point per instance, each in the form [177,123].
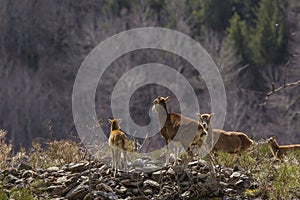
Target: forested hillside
[255,44]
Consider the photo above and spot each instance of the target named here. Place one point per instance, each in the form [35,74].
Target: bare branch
[292,84]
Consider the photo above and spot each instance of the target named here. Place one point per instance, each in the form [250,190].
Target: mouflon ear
[167,98]
[120,120]
[199,115]
[211,115]
[109,121]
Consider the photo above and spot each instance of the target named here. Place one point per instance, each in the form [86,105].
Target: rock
[138,163]
[158,175]
[224,184]
[123,189]
[29,173]
[70,186]
[62,180]
[152,183]
[136,191]
[103,186]
[134,176]
[57,190]
[52,169]
[105,195]
[244,177]
[238,183]
[128,182]
[43,175]
[78,192]
[194,173]
[235,175]
[138,198]
[88,196]
[171,171]
[229,191]
[186,194]
[10,179]
[24,166]
[12,171]
[201,163]
[150,168]
[78,167]
[185,184]
[96,175]
[227,172]
[148,191]
[202,176]
[182,177]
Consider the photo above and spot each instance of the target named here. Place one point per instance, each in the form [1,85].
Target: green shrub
[23,194]
[286,183]
[3,195]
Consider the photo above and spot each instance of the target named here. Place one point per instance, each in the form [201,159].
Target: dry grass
[57,153]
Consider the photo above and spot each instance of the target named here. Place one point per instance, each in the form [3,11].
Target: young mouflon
[118,143]
[280,150]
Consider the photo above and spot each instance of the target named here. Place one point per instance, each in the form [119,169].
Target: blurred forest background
[255,44]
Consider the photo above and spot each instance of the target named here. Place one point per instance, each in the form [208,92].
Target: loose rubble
[94,180]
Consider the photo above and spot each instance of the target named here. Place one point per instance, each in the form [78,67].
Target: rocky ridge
[94,180]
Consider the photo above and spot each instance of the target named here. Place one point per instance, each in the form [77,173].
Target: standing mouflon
[118,143]
[177,128]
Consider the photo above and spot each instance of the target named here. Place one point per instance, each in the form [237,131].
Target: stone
[148,191]
[227,171]
[10,179]
[24,166]
[29,173]
[224,184]
[52,169]
[186,194]
[152,183]
[150,168]
[185,184]
[128,182]
[235,175]
[171,171]
[70,186]
[78,192]
[57,190]
[105,187]
[78,167]
[239,183]
[62,180]
[123,189]
[138,163]
[12,171]
[202,176]
[158,175]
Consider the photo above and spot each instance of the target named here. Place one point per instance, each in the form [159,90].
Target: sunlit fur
[280,150]
[177,128]
[118,143]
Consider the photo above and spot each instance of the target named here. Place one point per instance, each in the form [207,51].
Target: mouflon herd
[188,133]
